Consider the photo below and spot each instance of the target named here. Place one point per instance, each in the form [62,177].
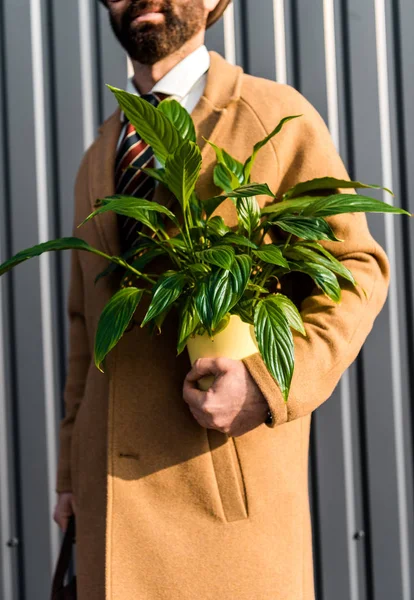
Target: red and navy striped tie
[133,151]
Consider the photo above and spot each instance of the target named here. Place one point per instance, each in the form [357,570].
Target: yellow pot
[236,341]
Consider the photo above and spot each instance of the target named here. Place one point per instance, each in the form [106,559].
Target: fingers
[206,366]
[64,509]
[192,395]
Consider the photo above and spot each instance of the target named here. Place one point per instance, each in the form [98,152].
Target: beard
[149,42]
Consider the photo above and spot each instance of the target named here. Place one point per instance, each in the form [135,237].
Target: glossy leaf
[311,251]
[137,208]
[271,254]
[152,124]
[219,291]
[307,228]
[221,256]
[289,207]
[182,170]
[290,311]
[189,321]
[240,273]
[67,243]
[179,117]
[216,226]
[327,183]
[238,240]
[247,167]
[345,203]
[245,309]
[248,212]
[275,341]
[229,169]
[166,291]
[251,189]
[113,321]
[157,174]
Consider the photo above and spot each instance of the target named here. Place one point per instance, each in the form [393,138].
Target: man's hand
[65,507]
[233,404]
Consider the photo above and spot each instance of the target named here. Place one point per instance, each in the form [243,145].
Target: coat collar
[222,88]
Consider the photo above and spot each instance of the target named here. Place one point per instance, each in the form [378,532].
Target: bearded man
[181,494]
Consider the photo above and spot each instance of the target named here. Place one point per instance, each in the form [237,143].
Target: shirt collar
[179,81]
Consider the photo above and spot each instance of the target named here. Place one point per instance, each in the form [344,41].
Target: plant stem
[287,241]
[123,263]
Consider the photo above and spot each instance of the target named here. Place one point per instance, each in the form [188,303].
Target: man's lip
[146,12]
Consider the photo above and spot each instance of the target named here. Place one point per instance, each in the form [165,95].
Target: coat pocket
[229,475]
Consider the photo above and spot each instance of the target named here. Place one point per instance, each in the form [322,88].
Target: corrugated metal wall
[354,60]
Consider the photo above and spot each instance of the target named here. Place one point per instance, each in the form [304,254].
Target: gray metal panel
[10,550]
[55,61]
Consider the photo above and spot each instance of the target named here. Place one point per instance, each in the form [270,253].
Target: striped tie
[133,151]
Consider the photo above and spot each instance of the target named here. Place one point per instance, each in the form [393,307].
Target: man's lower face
[149,36]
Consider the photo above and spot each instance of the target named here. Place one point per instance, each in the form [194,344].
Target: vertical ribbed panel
[353,59]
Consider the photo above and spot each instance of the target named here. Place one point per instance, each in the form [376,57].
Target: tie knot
[154,97]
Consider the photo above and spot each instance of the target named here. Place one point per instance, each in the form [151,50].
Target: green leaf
[290,207]
[199,270]
[228,171]
[245,309]
[196,207]
[166,291]
[158,174]
[240,274]
[210,204]
[290,311]
[271,254]
[216,226]
[222,178]
[113,321]
[238,240]
[189,320]
[307,228]
[323,277]
[67,243]
[345,203]
[248,212]
[217,294]
[327,183]
[251,189]
[247,167]
[222,256]
[150,123]
[182,169]
[203,303]
[275,341]
[137,208]
[179,117]
[311,251]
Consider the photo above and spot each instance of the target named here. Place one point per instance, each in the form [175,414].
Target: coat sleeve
[335,332]
[79,352]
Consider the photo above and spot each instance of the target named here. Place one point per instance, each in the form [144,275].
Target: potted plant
[222,281]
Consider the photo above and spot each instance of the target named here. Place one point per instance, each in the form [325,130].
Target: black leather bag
[60,591]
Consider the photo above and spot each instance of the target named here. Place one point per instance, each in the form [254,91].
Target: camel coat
[166,509]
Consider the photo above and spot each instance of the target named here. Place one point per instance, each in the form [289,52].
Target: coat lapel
[222,88]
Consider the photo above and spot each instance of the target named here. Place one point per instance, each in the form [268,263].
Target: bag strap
[64,557]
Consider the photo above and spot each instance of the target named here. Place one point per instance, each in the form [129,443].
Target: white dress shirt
[185,82]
